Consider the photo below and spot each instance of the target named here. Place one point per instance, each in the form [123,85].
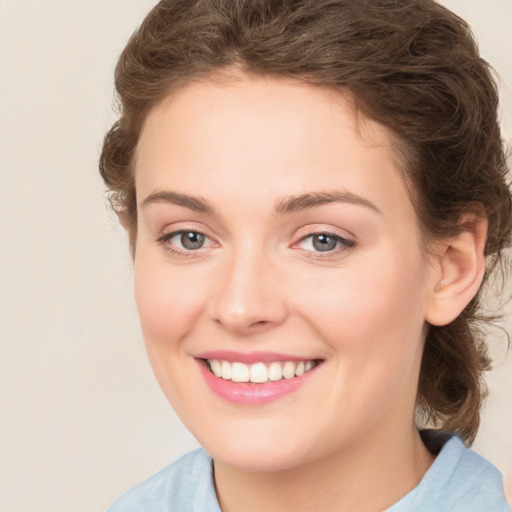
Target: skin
[346,439]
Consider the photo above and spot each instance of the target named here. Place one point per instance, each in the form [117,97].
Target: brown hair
[411,65]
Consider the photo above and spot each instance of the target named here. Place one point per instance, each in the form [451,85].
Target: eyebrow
[285,205]
[310,200]
[196,204]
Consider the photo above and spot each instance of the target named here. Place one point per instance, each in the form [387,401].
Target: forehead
[272,136]
[263,100]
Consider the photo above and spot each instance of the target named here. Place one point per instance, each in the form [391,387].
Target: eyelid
[347,243]
[171,234]
[183,227]
[319,229]
[344,241]
[173,230]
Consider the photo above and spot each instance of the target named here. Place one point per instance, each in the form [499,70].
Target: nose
[250,297]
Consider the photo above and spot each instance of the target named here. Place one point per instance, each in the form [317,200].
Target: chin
[258,456]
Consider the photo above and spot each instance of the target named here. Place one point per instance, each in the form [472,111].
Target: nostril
[259,322]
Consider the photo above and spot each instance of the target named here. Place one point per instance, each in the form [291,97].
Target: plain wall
[82,418]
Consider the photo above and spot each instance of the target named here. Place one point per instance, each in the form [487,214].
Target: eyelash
[185,253]
[344,244]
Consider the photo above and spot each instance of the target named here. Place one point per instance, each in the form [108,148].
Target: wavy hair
[411,65]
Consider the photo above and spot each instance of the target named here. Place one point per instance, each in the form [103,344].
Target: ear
[458,271]
[124,219]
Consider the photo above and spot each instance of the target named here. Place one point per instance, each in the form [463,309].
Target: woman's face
[276,238]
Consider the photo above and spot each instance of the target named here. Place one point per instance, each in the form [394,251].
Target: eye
[191,240]
[324,242]
[184,240]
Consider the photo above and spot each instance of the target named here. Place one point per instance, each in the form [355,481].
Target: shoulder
[185,485]
[474,482]
[459,480]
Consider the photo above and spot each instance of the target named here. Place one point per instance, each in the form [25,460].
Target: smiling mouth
[259,373]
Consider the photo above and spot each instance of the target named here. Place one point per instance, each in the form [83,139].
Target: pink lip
[249,357]
[251,394]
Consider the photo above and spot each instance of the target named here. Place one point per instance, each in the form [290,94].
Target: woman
[315,192]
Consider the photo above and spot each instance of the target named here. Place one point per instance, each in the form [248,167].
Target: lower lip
[251,394]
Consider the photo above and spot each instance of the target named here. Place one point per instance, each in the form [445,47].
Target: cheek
[372,320]
[368,307]
[168,300]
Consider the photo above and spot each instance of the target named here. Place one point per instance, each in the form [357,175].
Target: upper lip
[251,357]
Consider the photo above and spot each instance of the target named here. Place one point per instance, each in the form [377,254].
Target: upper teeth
[259,372]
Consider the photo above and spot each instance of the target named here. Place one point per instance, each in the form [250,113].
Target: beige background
[81,416]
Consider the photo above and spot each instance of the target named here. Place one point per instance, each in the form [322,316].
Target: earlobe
[124,219]
[459,271]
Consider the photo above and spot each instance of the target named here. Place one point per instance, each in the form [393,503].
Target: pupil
[192,240]
[324,243]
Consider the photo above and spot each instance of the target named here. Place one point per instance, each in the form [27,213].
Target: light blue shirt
[459,480]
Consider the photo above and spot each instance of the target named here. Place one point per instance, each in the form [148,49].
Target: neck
[368,476]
